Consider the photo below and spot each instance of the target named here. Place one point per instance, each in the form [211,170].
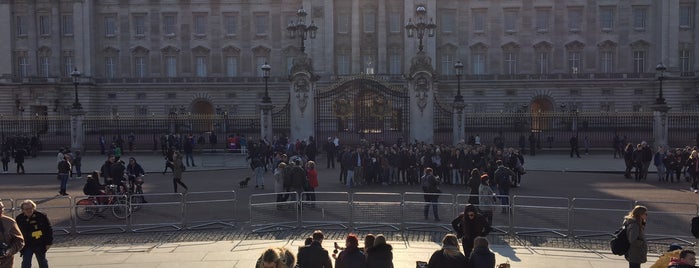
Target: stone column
[660,127]
[266,120]
[421,92]
[301,98]
[77,129]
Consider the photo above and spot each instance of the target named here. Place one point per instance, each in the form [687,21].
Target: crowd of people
[375,253]
[673,165]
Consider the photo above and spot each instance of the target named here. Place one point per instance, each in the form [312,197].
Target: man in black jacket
[314,255]
[38,234]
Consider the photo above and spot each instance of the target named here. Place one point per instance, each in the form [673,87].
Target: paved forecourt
[244,252]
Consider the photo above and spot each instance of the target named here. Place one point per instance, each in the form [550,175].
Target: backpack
[695,226]
[620,242]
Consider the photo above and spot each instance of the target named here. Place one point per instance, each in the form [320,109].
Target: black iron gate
[363,109]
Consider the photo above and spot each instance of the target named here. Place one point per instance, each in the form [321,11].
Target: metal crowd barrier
[669,221]
[163,211]
[100,218]
[330,210]
[577,217]
[376,210]
[590,217]
[413,212]
[268,214]
[540,214]
[57,209]
[220,204]
[501,222]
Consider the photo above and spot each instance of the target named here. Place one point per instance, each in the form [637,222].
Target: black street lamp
[265,74]
[421,26]
[459,68]
[300,29]
[76,80]
[661,69]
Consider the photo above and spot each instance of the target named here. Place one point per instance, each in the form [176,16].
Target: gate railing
[549,129]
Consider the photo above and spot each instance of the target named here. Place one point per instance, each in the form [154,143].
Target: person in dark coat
[449,255]
[37,232]
[380,255]
[470,225]
[351,256]
[314,255]
[474,182]
[19,160]
[481,256]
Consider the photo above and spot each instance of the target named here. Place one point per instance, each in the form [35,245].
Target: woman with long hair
[635,223]
[449,256]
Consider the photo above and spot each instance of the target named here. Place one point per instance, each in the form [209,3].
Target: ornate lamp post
[265,74]
[660,68]
[459,68]
[458,106]
[421,26]
[76,80]
[300,29]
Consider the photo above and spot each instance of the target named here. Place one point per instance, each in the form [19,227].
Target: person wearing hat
[486,198]
[11,236]
[469,225]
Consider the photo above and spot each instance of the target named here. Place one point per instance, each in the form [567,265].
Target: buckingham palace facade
[161,57]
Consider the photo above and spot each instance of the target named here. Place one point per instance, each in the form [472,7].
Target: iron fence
[549,130]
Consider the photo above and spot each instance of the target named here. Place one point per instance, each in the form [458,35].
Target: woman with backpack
[635,223]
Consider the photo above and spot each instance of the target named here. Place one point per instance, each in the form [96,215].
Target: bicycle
[135,192]
[89,207]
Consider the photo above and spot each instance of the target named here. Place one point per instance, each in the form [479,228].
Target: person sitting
[481,256]
[276,257]
[380,255]
[314,255]
[687,259]
[449,256]
[351,256]
[93,187]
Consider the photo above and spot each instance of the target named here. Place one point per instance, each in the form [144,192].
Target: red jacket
[312,177]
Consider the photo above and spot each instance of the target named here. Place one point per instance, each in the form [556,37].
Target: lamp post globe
[76,80]
[265,74]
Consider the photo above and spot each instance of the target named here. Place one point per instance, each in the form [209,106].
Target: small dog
[244,183]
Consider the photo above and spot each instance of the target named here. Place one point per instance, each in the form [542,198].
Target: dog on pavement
[244,183]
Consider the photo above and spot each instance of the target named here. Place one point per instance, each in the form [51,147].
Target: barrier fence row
[129,213]
[516,215]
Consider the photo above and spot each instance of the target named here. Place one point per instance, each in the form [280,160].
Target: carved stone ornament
[421,62]
[421,89]
[302,63]
[301,89]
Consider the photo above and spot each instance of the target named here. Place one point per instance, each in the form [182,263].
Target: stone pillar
[77,129]
[266,120]
[660,127]
[421,92]
[301,98]
[6,47]
[458,122]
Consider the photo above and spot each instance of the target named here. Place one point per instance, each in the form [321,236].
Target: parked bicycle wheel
[120,208]
[85,209]
[136,200]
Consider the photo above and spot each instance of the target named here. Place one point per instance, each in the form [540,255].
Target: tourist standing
[635,223]
[38,233]
[10,235]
